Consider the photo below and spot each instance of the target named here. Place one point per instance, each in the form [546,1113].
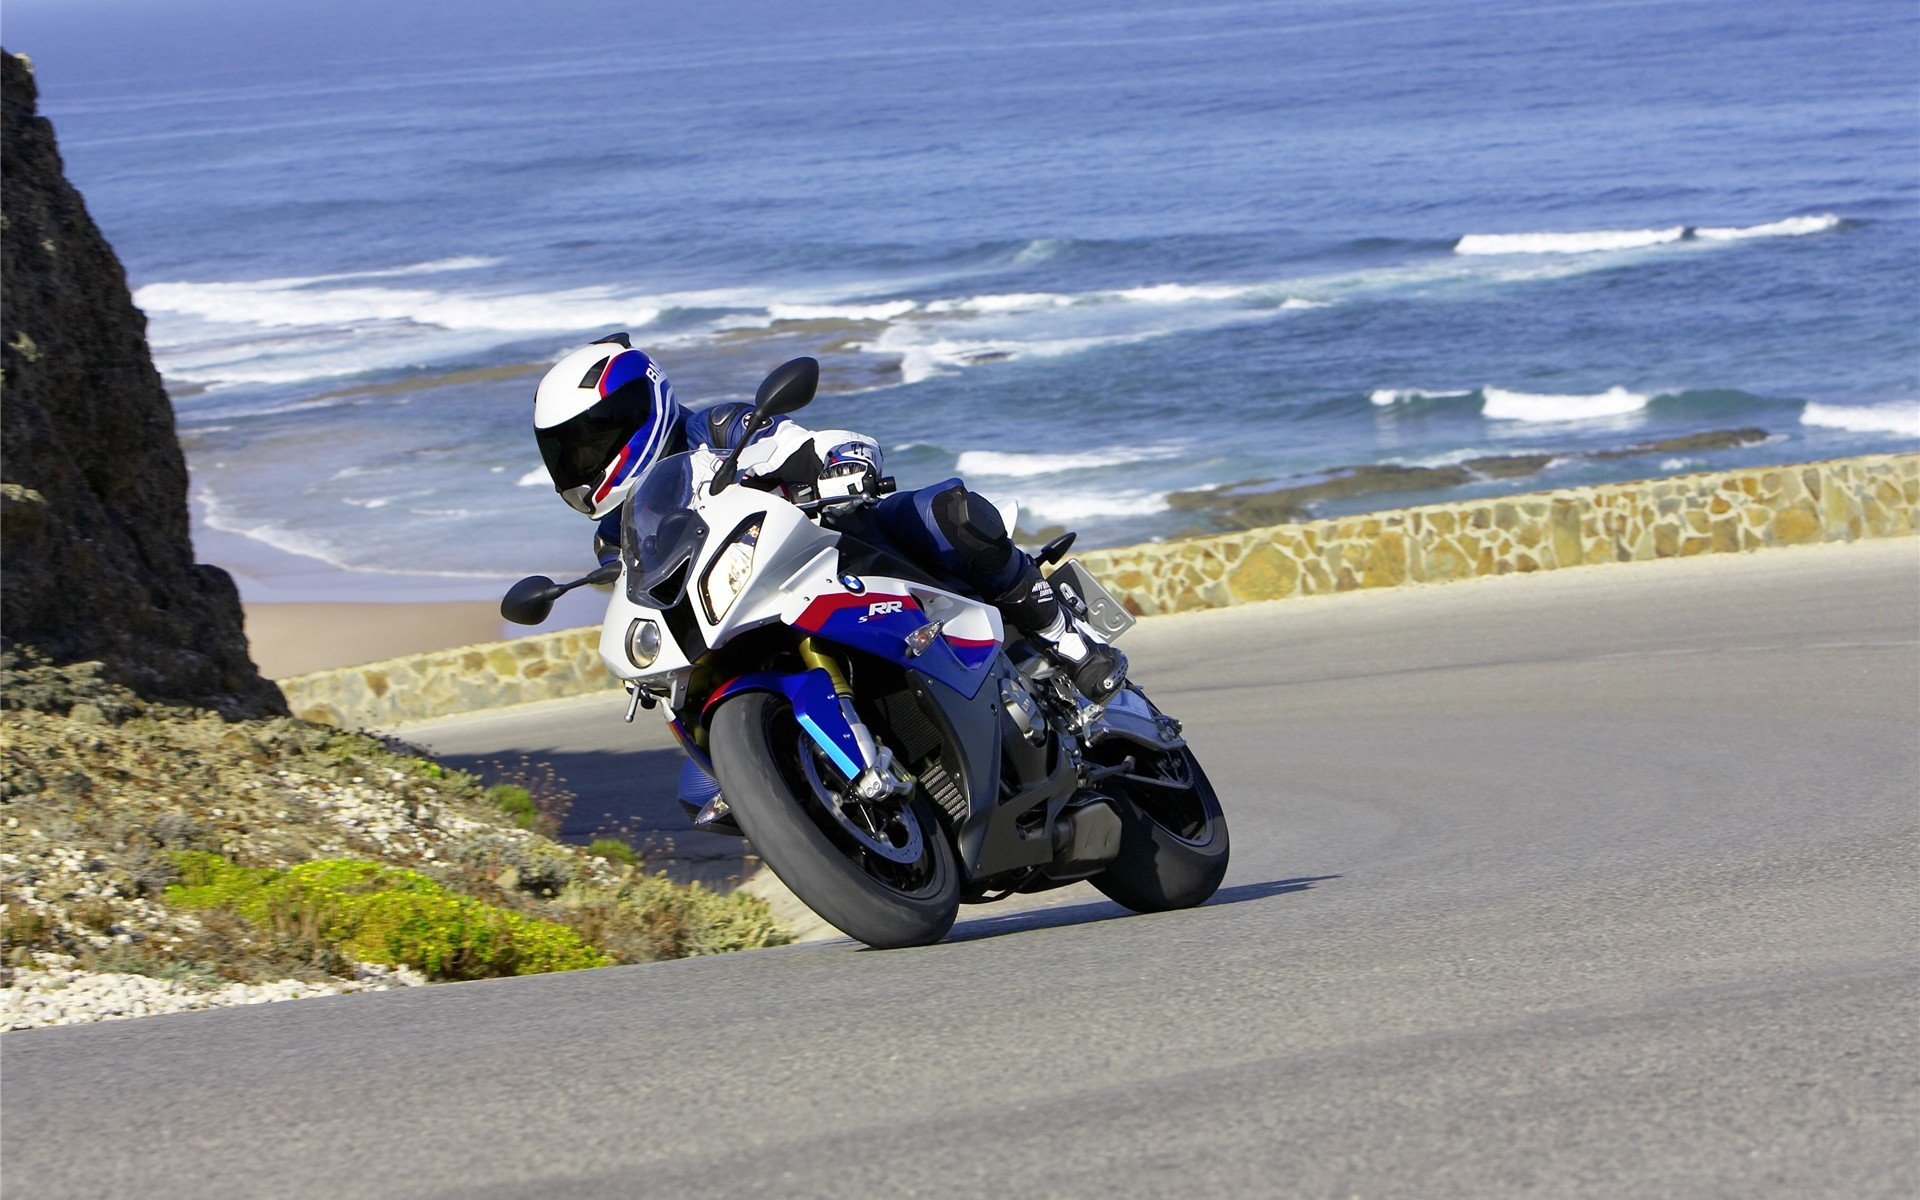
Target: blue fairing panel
[815,707]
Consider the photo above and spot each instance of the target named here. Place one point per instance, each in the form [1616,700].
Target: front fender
[815,706]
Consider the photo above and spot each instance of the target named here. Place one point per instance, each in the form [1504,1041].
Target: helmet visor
[579,450]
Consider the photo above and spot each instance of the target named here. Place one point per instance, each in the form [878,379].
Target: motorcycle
[887,746]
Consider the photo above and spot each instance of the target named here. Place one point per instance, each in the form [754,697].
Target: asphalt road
[1597,883]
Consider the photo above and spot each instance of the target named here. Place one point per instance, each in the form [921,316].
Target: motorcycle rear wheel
[1173,836]
[757,745]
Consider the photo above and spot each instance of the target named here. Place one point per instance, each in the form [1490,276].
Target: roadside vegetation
[201,854]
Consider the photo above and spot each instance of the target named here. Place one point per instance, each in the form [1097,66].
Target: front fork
[874,773]
[822,703]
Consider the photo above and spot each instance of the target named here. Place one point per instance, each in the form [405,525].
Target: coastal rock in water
[99,562]
[1250,505]
[1712,439]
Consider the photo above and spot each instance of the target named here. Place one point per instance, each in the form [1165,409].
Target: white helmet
[602,415]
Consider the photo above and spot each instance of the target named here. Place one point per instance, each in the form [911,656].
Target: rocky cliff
[98,563]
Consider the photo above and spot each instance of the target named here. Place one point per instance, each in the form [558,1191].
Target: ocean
[1123,262]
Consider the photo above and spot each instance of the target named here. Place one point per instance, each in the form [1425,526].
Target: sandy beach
[295,638]
[304,614]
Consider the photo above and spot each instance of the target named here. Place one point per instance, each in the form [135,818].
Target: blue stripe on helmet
[642,445]
[622,369]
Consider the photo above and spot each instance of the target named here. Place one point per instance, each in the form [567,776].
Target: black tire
[1173,844]
[748,735]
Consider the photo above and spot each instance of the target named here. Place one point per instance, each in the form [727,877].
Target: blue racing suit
[953,534]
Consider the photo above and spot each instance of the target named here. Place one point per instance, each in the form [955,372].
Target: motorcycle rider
[606,412]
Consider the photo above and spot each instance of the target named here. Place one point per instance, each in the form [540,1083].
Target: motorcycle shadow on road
[971,929]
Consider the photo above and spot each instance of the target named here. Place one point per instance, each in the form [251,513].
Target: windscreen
[660,533]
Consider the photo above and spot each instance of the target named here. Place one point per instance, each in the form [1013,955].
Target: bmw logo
[852,583]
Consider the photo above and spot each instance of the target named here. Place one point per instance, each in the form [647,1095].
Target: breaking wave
[1009,464]
[1067,507]
[1039,250]
[1791,227]
[1898,417]
[1388,397]
[1501,405]
[1589,241]
[286,331]
[298,304]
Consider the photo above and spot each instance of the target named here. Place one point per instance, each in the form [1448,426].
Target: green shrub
[516,802]
[379,914]
[209,880]
[650,917]
[612,849]
[532,793]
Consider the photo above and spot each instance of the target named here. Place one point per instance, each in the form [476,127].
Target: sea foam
[882,310]
[1003,302]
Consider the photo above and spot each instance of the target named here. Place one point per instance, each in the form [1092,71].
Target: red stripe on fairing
[718,694]
[613,473]
[823,607]
[970,643]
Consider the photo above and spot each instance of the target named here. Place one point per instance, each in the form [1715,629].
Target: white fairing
[1009,510]
[794,563]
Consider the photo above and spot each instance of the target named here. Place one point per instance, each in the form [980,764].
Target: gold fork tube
[815,655]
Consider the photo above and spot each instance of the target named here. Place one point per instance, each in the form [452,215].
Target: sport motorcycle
[886,744]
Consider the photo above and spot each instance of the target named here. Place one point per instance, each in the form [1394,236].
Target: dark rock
[1241,506]
[1508,466]
[27,681]
[1235,507]
[1712,439]
[99,562]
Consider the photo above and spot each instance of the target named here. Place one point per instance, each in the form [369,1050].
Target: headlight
[643,642]
[727,575]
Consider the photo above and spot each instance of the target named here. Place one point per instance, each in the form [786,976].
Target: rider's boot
[1031,606]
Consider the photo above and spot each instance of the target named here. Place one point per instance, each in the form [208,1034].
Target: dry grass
[100,795]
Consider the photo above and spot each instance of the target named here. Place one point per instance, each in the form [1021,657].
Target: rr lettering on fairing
[878,624]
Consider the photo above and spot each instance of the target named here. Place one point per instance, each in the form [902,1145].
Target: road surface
[1594,883]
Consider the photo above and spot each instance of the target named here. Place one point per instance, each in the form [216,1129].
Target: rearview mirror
[1056,549]
[788,388]
[529,601]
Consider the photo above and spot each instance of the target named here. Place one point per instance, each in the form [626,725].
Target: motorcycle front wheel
[884,875]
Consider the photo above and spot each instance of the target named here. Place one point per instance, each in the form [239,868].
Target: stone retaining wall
[1843,500]
[1839,501]
[545,666]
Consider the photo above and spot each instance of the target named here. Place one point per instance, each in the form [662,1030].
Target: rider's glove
[849,473]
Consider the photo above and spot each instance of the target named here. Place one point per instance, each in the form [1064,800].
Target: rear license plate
[1104,613]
